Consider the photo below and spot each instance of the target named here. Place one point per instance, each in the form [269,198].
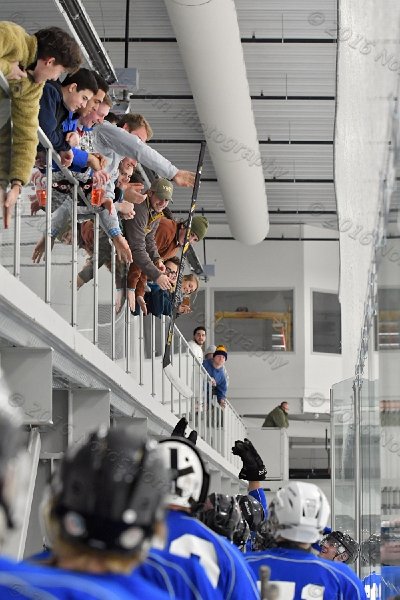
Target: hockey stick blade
[177,381]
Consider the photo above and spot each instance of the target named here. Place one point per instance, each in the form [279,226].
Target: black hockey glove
[253,467]
[180,428]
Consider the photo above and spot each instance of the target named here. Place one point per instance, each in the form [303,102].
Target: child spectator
[27,61]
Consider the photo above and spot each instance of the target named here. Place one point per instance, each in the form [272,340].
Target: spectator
[57,101]
[190,284]
[140,235]
[129,139]
[169,238]
[87,230]
[214,368]
[63,197]
[278,417]
[27,61]
[157,301]
[199,337]
[209,352]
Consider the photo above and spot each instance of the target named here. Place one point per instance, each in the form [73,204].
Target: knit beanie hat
[222,351]
[211,349]
[199,226]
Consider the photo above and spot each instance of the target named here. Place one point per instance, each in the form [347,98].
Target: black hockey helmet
[241,533]
[264,537]
[344,544]
[221,513]
[109,492]
[252,511]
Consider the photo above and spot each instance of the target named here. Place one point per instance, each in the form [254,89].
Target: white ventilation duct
[209,40]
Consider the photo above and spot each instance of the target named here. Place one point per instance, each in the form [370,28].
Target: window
[387,329]
[253,321]
[326,323]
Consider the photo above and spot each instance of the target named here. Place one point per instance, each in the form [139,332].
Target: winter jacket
[221,387]
[116,143]
[139,233]
[276,418]
[16,45]
[167,246]
[52,113]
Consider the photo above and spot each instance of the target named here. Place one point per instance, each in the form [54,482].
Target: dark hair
[101,82]
[199,328]
[84,79]
[174,259]
[112,117]
[54,42]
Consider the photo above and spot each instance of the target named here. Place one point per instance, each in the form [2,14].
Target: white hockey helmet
[299,512]
[190,480]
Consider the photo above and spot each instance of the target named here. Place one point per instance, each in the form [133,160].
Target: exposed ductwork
[208,35]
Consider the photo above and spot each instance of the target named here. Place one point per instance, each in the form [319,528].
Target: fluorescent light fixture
[84,32]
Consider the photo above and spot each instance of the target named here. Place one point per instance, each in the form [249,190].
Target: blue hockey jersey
[181,578]
[73,585]
[223,563]
[300,575]
[390,582]
[372,586]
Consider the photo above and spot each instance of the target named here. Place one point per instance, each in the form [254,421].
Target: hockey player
[297,516]
[221,513]
[254,505]
[241,534]
[182,578]
[340,547]
[103,508]
[187,536]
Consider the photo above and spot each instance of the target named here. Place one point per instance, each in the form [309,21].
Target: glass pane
[326,323]
[343,431]
[388,343]
[254,320]
[370,479]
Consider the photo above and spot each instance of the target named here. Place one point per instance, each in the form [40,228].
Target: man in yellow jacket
[27,62]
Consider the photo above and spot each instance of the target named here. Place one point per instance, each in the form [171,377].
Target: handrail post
[48,239]
[96,279]
[17,238]
[113,300]
[74,227]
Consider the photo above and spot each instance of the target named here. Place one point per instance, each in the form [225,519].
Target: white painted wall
[257,384]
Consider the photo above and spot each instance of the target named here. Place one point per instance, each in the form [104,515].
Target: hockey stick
[185,247]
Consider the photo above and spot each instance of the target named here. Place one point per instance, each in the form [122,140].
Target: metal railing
[136,343]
